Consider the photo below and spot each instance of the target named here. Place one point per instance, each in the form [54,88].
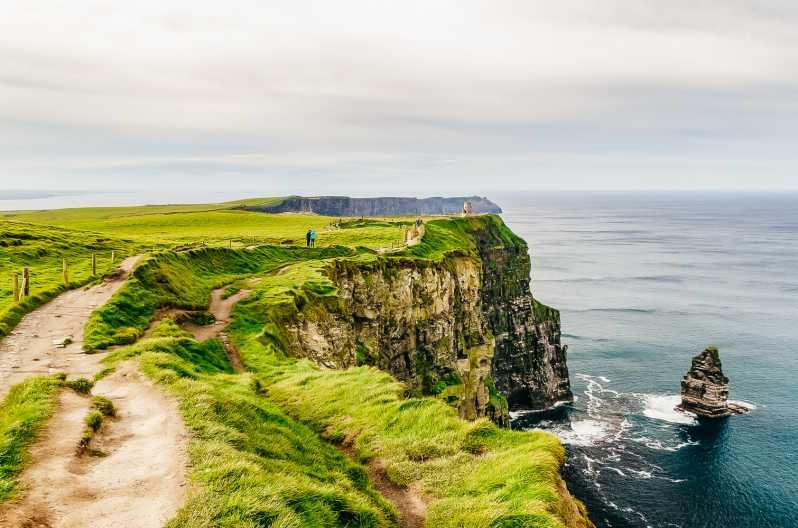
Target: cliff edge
[453,316]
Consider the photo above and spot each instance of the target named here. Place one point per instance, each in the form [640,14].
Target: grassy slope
[476,474]
[253,464]
[42,250]
[22,414]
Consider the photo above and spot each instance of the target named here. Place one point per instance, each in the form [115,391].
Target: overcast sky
[399,97]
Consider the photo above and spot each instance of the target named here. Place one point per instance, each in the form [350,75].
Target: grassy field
[215,224]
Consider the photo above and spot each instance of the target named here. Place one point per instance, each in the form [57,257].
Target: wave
[663,407]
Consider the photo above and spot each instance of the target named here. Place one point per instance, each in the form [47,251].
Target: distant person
[419,221]
[307,237]
[312,238]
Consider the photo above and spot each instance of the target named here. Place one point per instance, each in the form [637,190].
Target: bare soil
[138,481]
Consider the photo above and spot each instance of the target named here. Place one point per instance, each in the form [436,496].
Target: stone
[705,389]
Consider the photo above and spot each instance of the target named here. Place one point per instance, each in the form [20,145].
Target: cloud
[473,93]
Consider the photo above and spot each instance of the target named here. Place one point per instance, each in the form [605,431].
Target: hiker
[307,237]
[312,238]
[419,221]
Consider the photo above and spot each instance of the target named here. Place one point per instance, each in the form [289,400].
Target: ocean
[644,282]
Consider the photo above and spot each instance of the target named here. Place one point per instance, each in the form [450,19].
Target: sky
[409,98]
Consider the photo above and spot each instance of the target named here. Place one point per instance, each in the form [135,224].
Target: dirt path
[139,483]
[412,510]
[220,309]
[32,347]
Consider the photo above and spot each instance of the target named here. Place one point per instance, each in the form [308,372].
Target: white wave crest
[663,407]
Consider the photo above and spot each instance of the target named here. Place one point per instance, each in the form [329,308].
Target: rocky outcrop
[385,206]
[705,389]
[465,328]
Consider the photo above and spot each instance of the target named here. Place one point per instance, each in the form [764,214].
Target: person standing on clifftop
[307,237]
[312,238]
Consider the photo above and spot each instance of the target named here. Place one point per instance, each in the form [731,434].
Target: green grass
[42,249]
[215,225]
[252,465]
[183,280]
[23,413]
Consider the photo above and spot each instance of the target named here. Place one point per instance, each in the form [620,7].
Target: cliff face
[385,206]
[465,328]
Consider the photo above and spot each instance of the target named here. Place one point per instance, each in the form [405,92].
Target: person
[307,237]
[419,221]
[312,238]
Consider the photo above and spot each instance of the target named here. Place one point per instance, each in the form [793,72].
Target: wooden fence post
[93,264]
[25,282]
[113,257]
[15,287]
[65,269]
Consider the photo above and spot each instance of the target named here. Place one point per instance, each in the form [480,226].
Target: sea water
[644,282]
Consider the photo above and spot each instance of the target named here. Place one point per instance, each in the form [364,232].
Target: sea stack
[705,389]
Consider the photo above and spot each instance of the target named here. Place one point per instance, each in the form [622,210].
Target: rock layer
[705,389]
[384,206]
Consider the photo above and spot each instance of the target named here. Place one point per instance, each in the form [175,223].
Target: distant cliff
[385,206]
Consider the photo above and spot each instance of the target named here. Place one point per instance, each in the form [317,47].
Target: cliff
[385,206]
[458,321]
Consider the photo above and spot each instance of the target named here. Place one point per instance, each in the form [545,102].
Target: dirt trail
[32,348]
[412,510]
[139,483]
[220,309]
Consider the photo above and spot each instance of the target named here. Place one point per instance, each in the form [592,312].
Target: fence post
[65,269]
[15,288]
[113,257]
[25,282]
[93,264]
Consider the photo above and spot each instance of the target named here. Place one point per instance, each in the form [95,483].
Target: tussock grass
[23,413]
[80,385]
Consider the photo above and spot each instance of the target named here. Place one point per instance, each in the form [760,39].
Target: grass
[251,463]
[183,280]
[42,250]
[23,413]
[216,225]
